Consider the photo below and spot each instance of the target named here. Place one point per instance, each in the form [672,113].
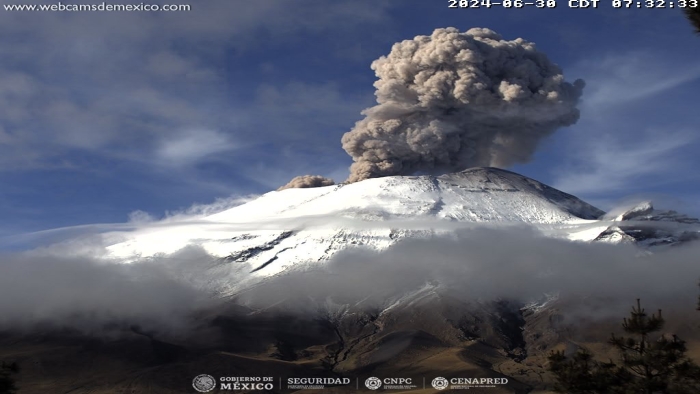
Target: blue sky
[104,114]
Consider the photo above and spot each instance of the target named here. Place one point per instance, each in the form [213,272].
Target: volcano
[285,229]
[409,332]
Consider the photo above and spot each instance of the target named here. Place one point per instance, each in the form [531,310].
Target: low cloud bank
[163,294]
[99,297]
[487,264]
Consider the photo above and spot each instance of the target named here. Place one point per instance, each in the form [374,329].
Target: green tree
[693,15]
[650,363]
[581,374]
[7,384]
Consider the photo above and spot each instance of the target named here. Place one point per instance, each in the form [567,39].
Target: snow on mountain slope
[646,226]
[284,228]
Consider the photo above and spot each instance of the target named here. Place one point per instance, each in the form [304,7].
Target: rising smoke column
[304,181]
[455,100]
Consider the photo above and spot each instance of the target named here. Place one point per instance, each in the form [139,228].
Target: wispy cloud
[126,85]
[610,163]
[637,129]
[128,108]
[622,78]
[192,146]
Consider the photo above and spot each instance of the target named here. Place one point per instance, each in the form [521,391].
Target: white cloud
[139,217]
[637,129]
[610,164]
[201,210]
[622,78]
[193,146]
[117,84]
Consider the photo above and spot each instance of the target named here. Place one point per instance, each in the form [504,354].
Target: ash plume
[453,100]
[304,181]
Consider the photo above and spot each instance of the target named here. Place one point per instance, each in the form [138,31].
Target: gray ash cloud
[304,181]
[454,100]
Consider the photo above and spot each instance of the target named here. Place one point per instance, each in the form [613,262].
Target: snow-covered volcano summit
[284,228]
[477,194]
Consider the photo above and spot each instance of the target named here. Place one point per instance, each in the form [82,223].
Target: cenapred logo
[373,383]
[204,383]
[440,383]
[469,383]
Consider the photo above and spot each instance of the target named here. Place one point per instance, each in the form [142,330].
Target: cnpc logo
[374,383]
